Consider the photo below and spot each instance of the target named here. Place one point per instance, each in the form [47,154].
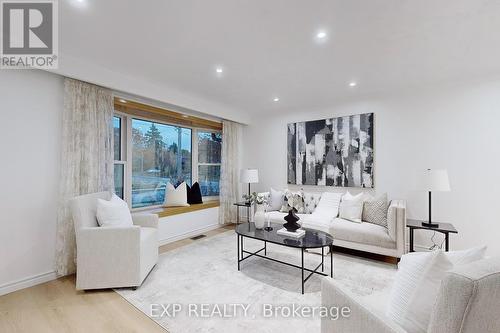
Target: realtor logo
[29,34]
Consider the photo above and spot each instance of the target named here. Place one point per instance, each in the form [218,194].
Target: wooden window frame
[128,110]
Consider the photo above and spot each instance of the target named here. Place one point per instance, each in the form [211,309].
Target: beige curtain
[229,173]
[86,158]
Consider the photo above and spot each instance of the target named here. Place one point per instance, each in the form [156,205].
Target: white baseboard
[27,282]
[191,233]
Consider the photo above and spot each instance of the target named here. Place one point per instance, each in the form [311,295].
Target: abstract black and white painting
[332,152]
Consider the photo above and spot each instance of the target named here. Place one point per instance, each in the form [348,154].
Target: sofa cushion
[328,205]
[351,207]
[311,201]
[375,210]
[317,222]
[275,199]
[364,233]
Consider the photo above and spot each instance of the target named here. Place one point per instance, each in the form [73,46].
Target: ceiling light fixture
[321,35]
[79,3]
[276,99]
[218,70]
[352,84]
[122,100]
[185,116]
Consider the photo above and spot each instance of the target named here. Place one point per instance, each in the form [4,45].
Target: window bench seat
[178,223]
[170,211]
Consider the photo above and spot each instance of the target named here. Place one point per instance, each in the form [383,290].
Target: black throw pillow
[194,194]
[188,192]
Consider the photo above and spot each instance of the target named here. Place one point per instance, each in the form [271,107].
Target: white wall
[31,104]
[452,127]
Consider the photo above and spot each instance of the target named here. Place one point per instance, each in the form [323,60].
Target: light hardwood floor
[56,306]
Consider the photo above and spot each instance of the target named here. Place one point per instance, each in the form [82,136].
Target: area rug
[197,288]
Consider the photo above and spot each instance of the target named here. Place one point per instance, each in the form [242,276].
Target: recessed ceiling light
[79,3]
[276,99]
[219,70]
[122,100]
[321,35]
[352,84]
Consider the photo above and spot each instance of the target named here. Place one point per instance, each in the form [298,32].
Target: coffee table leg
[331,261]
[238,249]
[322,258]
[302,252]
[265,248]
[242,255]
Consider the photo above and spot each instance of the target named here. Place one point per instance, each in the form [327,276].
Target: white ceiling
[267,48]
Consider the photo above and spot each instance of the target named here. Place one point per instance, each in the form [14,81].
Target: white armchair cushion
[113,213]
[145,220]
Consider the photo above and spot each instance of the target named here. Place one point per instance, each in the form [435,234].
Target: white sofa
[363,236]
[468,302]
[112,257]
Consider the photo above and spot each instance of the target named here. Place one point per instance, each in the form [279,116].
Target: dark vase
[291,221]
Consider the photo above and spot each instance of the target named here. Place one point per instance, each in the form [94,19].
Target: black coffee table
[311,240]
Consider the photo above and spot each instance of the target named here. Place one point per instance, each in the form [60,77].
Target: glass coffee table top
[312,238]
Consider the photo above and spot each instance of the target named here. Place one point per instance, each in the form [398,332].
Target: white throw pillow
[415,289]
[328,205]
[275,199]
[113,213]
[351,207]
[417,284]
[464,257]
[175,197]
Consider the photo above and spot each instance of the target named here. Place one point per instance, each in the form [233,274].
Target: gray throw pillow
[375,210]
[311,201]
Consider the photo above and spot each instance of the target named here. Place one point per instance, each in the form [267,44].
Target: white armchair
[112,257]
[468,302]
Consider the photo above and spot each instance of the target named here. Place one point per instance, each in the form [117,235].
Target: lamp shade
[435,180]
[249,176]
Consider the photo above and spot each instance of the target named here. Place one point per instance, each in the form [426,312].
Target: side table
[444,228]
[242,204]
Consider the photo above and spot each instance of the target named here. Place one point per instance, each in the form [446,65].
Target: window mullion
[194,155]
[128,162]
